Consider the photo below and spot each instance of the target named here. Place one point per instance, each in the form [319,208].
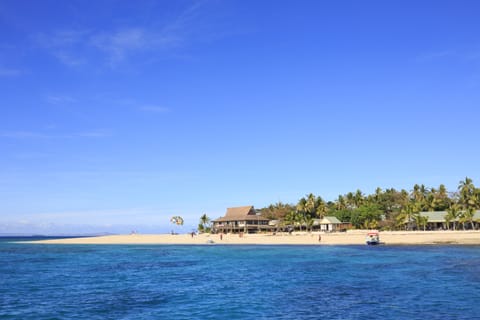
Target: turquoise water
[238,282]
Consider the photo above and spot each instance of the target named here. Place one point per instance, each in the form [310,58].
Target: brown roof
[240,213]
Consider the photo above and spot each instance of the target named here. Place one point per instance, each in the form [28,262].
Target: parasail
[177,220]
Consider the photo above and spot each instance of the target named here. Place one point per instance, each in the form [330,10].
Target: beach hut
[241,219]
[330,223]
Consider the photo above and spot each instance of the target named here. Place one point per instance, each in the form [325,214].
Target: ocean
[238,282]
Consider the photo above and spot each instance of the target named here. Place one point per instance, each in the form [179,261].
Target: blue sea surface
[238,282]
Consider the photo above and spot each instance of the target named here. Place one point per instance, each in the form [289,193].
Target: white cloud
[43,135]
[23,135]
[155,109]
[94,134]
[9,72]
[119,44]
[60,99]
[467,55]
[76,47]
[69,58]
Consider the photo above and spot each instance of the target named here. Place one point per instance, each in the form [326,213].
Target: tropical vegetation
[205,224]
[388,209]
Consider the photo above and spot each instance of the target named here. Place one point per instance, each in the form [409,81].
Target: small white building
[330,224]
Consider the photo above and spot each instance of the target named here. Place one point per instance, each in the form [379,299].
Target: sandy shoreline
[353,237]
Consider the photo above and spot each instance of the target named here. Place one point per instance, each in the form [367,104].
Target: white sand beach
[352,237]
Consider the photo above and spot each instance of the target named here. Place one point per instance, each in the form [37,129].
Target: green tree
[290,219]
[340,203]
[366,216]
[277,211]
[468,200]
[443,201]
[407,215]
[419,195]
[321,208]
[358,198]
[344,215]
[308,220]
[466,190]
[205,223]
[452,215]
[468,216]
[421,221]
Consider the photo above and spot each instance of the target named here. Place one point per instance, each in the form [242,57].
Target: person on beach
[319,238]
[221,236]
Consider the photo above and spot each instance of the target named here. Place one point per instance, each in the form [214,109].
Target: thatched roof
[241,214]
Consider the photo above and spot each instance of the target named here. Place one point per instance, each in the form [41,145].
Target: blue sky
[117,115]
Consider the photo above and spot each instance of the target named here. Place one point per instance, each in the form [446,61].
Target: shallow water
[238,282]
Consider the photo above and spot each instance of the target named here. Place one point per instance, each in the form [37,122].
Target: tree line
[388,209]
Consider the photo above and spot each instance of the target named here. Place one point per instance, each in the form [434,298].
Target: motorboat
[372,238]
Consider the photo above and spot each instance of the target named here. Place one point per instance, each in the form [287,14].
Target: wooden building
[241,219]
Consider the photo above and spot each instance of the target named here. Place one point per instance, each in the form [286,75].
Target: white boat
[373,238]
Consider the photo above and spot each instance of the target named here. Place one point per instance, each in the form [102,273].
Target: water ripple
[238,282]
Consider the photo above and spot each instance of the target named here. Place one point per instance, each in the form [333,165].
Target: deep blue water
[238,282]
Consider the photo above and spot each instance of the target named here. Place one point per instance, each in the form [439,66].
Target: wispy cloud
[23,135]
[155,109]
[60,99]
[10,72]
[435,55]
[31,155]
[69,58]
[94,134]
[468,55]
[119,44]
[76,47]
[64,45]
[43,135]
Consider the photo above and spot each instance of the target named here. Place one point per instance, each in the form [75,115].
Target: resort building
[331,224]
[436,221]
[241,219]
[326,224]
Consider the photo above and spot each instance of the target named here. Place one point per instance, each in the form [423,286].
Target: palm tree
[378,194]
[299,220]
[421,221]
[452,215]
[350,200]
[469,200]
[205,223]
[407,215]
[431,201]
[462,219]
[466,190]
[443,201]
[321,208]
[358,198]
[340,204]
[468,215]
[419,195]
[310,204]
[302,205]
[290,218]
[308,222]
